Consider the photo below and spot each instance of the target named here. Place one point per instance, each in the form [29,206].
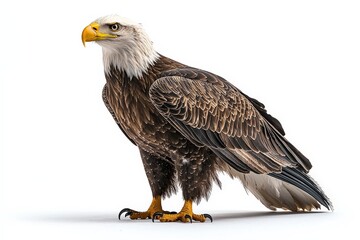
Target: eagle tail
[289,190]
[304,182]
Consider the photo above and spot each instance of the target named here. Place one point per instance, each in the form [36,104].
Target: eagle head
[126,46]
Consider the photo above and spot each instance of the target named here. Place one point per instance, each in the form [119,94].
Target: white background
[65,167]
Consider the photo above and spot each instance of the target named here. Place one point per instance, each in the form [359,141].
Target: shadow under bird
[190,124]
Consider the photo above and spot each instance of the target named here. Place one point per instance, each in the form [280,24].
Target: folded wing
[211,112]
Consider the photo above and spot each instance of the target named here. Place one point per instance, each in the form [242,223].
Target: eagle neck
[121,78]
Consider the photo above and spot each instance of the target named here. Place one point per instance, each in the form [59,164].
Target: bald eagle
[190,124]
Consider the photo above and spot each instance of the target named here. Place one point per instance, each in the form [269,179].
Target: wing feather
[211,112]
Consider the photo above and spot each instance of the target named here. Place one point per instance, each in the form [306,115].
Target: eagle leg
[155,207]
[185,215]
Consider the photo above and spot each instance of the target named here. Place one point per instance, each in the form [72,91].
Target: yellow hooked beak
[91,33]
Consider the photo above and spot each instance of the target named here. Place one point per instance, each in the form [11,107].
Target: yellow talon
[155,206]
[155,211]
[185,215]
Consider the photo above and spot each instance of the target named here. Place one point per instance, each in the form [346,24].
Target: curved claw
[208,216]
[127,210]
[160,214]
[128,214]
[188,216]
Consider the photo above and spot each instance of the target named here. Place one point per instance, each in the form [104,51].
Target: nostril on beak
[94,28]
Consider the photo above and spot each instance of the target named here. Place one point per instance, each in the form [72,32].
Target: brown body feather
[165,152]
[189,124]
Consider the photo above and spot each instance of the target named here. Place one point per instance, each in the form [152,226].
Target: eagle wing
[211,112]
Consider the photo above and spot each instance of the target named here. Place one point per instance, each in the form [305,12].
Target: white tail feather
[274,193]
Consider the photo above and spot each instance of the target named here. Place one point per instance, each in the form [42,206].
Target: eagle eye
[114,27]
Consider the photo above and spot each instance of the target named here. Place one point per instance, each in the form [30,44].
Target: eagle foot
[155,207]
[141,215]
[185,215]
[134,214]
[181,216]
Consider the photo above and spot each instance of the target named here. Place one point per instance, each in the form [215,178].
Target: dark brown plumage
[161,146]
[189,124]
